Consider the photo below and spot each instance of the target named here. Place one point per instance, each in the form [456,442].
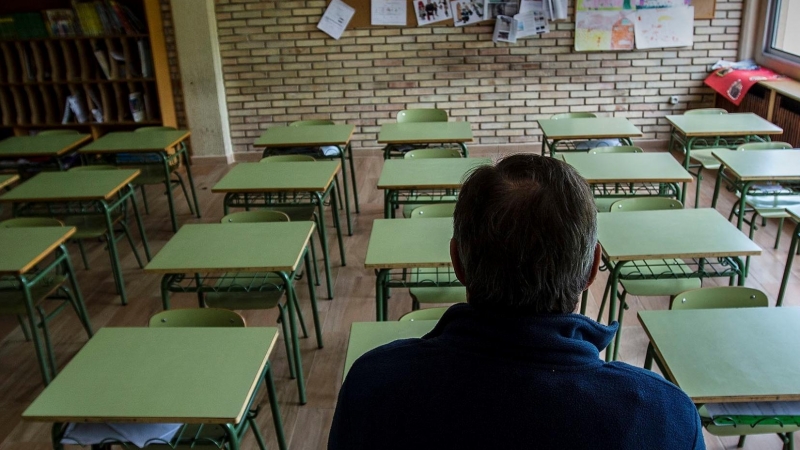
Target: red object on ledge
[733,84]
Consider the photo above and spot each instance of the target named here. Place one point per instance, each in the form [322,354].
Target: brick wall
[279,68]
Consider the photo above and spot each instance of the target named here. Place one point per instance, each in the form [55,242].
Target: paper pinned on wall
[597,31]
[505,30]
[336,18]
[389,12]
[431,11]
[467,12]
[532,19]
[665,27]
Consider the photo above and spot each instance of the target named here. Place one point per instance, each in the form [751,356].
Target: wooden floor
[306,426]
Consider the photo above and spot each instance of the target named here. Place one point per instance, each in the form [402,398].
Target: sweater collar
[563,341]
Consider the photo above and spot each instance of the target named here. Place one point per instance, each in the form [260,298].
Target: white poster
[389,12]
[336,18]
[431,11]
[664,27]
[467,12]
[532,18]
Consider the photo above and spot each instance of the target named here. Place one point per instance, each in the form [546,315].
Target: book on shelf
[102,60]
[130,22]
[88,18]
[146,58]
[29,25]
[62,22]
[7,30]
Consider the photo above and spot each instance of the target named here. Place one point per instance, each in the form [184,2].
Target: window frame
[777,60]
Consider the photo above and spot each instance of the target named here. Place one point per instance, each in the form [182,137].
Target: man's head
[525,235]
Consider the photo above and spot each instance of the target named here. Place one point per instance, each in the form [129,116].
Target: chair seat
[706,159]
[603,204]
[150,173]
[772,206]
[12,301]
[436,294]
[89,227]
[247,291]
[665,286]
[297,213]
[722,430]
[427,199]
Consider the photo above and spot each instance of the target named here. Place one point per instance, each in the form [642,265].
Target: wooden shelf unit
[37,75]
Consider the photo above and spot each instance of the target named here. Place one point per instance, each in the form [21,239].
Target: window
[780,43]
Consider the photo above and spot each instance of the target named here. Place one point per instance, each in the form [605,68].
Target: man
[514,367]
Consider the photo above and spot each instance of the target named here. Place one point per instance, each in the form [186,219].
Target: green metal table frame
[165,161]
[26,283]
[794,213]
[103,207]
[423,133]
[345,155]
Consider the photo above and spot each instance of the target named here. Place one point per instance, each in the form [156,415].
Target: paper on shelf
[389,12]
[336,18]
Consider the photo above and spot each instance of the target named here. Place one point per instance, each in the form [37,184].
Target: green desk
[365,336]
[750,167]
[7,180]
[164,375]
[277,138]
[199,255]
[647,174]
[73,193]
[405,244]
[54,147]
[640,239]
[557,130]
[395,134]
[794,213]
[250,185]
[716,130]
[23,249]
[160,144]
[402,179]
[728,355]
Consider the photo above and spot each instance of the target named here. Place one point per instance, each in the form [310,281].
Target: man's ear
[598,250]
[455,257]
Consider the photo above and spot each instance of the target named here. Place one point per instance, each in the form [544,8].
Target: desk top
[234,247]
[679,233]
[588,128]
[736,124]
[136,142]
[365,336]
[48,145]
[301,176]
[785,86]
[794,211]
[23,248]
[425,133]
[429,173]
[628,168]
[6,180]
[762,165]
[407,243]
[729,355]
[71,186]
[312,135]
[186,375]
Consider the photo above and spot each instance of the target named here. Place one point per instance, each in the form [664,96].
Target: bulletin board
[704,9]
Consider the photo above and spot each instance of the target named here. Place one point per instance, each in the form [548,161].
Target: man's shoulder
[648,383]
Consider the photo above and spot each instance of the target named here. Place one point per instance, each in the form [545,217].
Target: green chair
[573,115]
[616,149]
[204,436]
[423,314]
[50,288]
[288,158]
[725,297]
[94,227]
[648,288]
[707,111]
[440,152]
[420,115]
[152,172]
[765,146]
[434,275]
[258,291]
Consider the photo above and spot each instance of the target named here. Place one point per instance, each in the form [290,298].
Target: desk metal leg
[114,254]
[80,305]
[464,151]
[165,296]
[789,260]
[381,279]
[298,362]
[584,299]
[337,224]
[139,223]
[272,393]
[170,198]
[349,149]
[346,199]
[611,350]
[26,293]
[313,296]
[323,236]
[233,436]
[190,178]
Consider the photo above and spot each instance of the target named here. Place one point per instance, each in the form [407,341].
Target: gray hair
[526,231]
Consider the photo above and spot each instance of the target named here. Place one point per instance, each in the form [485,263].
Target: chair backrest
[54,132]
[256,217]
[307,123]
[197,317]
[616,149]
[22,222]
[434,210]
[93,167]
[720,297]
[288,158]
[645,204]
[422,115]
[423,314]
[765,146]
[573,115]
[706,111]
[146,129]
[439,152]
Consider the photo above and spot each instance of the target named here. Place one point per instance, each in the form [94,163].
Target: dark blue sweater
[490,381]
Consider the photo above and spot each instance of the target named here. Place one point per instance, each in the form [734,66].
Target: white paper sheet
[431,11]
[532,19]
[467,12]
[664,27]
[505,30]
[336,18]
[389,12]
